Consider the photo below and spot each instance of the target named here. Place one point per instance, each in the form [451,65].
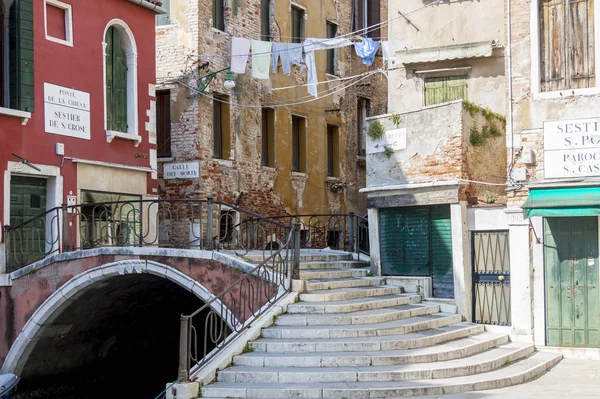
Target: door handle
[501,278]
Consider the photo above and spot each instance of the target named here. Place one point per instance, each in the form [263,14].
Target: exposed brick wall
[264,190]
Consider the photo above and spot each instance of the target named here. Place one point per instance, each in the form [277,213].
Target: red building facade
[77,105]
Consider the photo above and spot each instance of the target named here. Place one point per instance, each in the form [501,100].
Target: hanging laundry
[280,51]
[312,44]
[261,59]
[366,50]
[294,51]
[385,50]
[240,48]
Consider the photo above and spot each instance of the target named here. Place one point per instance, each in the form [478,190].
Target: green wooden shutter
[441,252]
[445,88]
[404,241]
[21,55]
[116,82]
[164,19]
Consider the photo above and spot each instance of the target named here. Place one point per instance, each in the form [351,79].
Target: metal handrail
[229,313]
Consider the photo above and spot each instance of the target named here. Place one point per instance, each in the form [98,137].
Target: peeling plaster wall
[447,23]
[266,190]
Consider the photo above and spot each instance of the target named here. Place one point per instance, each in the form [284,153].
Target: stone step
[514,373]
[311,274]
[338,264]
[354,305]
[446,351]
[343,294]
[479,363]
[327,284]
[360,317]
[414,340]
[394,327]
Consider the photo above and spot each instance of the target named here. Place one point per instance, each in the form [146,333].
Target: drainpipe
[149,6]
[510,93]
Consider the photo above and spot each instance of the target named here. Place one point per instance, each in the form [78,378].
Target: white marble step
[360,317]
[479,363]
[444,351]
[354,305]
[343,294]
[337,264]
[311,274]
[414,340]
[403,326]
[327,284]
[514,373]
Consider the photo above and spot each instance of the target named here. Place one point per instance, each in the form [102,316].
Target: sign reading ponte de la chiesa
[572,148]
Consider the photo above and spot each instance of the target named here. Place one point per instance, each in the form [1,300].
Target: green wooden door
[572,291]
[27,200]
[417,241]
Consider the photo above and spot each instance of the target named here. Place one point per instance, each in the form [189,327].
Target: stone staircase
[351,336]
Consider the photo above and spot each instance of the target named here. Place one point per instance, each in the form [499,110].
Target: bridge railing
[204,333]
[187,224]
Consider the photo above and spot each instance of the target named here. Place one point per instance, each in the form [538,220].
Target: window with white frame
[120,81]
[58,22]
[567,49]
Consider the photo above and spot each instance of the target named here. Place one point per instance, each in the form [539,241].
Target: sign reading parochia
[66,111]
[394,139]
[189,170]
[572,148]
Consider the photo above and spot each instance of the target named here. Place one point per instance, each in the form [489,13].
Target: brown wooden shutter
[217,130]
[581,43]
[374,18]
[295,143]
[552,38]
[163,123]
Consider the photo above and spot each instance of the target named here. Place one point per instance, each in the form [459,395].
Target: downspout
[149,6]
[510,94]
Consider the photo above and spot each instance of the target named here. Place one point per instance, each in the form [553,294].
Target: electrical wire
[463,181]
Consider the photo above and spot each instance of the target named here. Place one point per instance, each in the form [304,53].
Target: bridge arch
[68,293]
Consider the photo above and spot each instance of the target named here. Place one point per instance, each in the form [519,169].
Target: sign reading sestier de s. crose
[572,148]
[66,111]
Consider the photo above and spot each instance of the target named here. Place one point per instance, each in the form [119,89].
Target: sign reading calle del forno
[66,111]
[572,148]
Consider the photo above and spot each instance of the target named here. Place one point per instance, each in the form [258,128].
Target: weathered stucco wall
[438,147]
[447,23]
[265,190]
[531,108]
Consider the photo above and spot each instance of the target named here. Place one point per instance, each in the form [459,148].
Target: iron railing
[187,224]
[226,315]
[345,232]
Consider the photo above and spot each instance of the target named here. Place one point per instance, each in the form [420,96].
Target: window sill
[332,76]
[67,42]
[25,116]
[548,95]
[269,167]
[110,136]
[224,162]
[332,179]
[164,159]
[218,31]
[299,174]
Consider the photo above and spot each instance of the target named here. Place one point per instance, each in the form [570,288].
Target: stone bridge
[70,311]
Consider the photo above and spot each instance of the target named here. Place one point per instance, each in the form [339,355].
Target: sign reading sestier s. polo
[66,111]
[572,148]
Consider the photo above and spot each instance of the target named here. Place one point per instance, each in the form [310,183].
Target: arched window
[120,82]
[116,82]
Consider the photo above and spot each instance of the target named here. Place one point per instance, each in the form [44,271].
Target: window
[331,53]
[221,128]
[333,152]
[163,123]
[298,144]
[16,55]
[297,25]
[567,45]
[116,82]
[227,226]
[268,137]
[218,15]
[58,22]
[120,69]
[363,111]
[445,88]
[366,14]
[265,20]
[164,19]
